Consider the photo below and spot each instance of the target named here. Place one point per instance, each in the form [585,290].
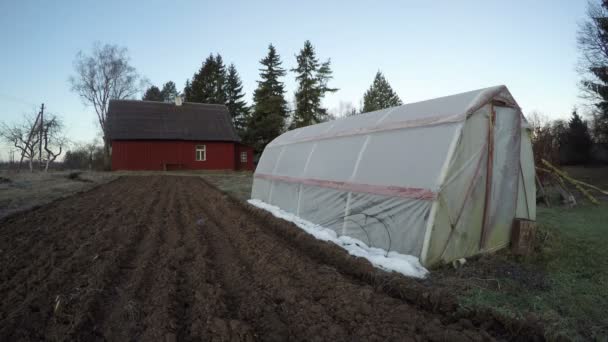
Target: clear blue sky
[425,48]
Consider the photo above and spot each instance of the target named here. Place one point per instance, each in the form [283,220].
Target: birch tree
[101,76]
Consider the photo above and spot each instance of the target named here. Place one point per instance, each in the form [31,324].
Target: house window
[201,153]
[243,157]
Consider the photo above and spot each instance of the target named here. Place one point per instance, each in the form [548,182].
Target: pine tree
[152,94]
[207,84]
[593,43]
[312,78]
[169,92]
[577,141]
[234,100]
[380,95]
[270,108]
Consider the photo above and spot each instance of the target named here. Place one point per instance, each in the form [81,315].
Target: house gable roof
[149,120]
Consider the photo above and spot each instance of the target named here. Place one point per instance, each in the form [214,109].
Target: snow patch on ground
[407,265]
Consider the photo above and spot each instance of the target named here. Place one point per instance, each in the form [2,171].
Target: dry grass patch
[25,190]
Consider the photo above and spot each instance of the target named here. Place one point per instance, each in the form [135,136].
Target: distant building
[149,135]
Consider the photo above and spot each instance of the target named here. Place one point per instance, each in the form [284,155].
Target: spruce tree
[152,94]
[201,87]
[187,91]
[207,84]
[169,92]
[577,141]
[270,108]
[219,80]
[234,100]
[312,78]
[380,95]
[593,43]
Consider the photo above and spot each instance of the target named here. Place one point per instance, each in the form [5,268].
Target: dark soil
[164,258]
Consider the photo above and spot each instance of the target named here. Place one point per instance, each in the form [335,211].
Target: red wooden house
[149,135]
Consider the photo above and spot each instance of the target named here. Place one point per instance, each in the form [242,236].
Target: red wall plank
[156,155]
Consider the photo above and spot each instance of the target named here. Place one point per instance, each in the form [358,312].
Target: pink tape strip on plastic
[392,191]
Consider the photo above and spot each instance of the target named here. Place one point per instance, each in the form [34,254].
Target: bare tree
[346,109]
[53,140]
[103,75]
[20,136]
[593,46]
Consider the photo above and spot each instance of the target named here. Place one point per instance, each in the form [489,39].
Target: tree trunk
[106,153]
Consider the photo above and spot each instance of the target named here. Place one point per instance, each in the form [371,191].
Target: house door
[503,176]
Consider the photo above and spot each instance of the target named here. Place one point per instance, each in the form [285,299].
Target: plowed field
[163,258]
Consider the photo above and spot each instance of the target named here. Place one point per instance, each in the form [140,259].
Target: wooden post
[489,173]
[40,129]
[522,236]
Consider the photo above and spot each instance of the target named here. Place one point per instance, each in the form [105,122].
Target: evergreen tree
[599,128]
[380,95]
[207,84]
[219,80]
[152,94]
[201,89]
[577,141]
[234,100]
[270,108]
[593,43]
[312,78]
[187,91]
[169,92]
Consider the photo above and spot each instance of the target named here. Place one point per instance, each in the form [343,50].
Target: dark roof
[143,120]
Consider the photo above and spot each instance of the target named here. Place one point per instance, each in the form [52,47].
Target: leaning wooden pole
[590,186]
[573,181]
[542,190]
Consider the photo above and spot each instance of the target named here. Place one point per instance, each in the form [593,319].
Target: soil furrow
[43,246]
[244,301]
[185,256]
[133,284]
[167,258]
[208,297]
[162,312]
[44,305]
[118,250]
[335,295]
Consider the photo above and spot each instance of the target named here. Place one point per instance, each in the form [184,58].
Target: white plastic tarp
[411,178]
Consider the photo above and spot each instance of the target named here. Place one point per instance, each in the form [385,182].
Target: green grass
[574,257]
[236,183]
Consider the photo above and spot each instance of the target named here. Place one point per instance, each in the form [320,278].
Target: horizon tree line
[270,114]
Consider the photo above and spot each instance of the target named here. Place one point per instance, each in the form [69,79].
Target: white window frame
[200,153]
[243,156]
